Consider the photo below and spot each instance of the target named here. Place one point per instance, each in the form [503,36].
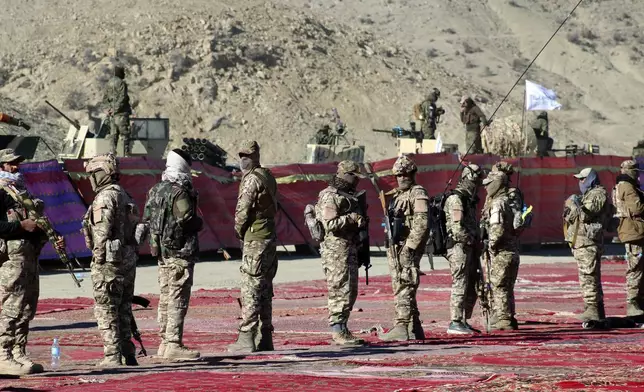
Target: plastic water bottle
[55,354]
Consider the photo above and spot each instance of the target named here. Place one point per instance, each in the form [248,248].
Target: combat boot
[161,349]
[399,333]
[175,351]
[591,313]
[245,343]
[20,355]
[633,309]
[342,336]
[459,328]
[11,367]
[111,361]
[264,340]
[503,325]
[415,329]
[514,322]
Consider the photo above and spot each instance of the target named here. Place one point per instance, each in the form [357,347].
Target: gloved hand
[23,125]
[357,219]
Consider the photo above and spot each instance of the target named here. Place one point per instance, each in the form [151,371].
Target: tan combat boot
[111,361]
[245,343]
[161,349]
[20,355]
[11,367]
[503,325]
[175,351]
[399,333]
[633,309]
[342,336]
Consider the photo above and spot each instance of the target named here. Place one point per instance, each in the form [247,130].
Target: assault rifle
[136,334]
[389,236]
[483,285]
[43,222]
[364,255]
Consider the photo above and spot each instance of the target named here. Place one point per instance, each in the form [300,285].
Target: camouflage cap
[8,155]
[404,165]
[471,172]
[348,167]
[504,167]
[629,165]
[105,162]
[495,176]
[249,147]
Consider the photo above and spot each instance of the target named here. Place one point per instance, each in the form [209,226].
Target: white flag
[540,98]
[439,143]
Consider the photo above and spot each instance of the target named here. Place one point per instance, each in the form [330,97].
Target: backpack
[437,242]
[314,225]
[418,111]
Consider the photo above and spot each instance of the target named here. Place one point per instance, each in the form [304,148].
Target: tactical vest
[21,212]
[349,203]
[262,216]
[401,213]
[174,240]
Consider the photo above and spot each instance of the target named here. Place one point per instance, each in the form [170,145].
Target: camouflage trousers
[428,131]
[504,269]
[463,268]
[634,281]
[589,263]
[120,127]
[340,264]
[175,283]
[473,138]
[20,285]
[107,281]
[258,268]
[128,270]
[405,278]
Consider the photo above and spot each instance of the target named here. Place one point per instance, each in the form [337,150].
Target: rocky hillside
[273,71]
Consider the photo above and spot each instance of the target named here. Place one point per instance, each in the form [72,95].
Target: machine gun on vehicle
[401,133]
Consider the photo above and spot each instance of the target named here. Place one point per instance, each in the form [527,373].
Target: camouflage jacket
[498,219]
[628,200]
[18,211]
[107,223]
[256,206]
[461,222]
[413,205]
[116,96]
[592,212]
[540,126]
[171,213]
[429,113]
[472,118]
[332,210]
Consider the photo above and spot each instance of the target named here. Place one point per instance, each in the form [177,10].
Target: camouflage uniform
[337,210]
[255,225]
[117,101]
[429,113]
[105,227]
[171,213]
[19,277]
[472,117]
[502,247]
[410,205]
[587,215]
[628,200]
[462,228]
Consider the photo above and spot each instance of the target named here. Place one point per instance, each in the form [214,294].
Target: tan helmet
[471,172]
[505,167]
[404,165]
[105,162]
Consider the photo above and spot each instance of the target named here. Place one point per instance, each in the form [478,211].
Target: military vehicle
[149,137]
[333,146]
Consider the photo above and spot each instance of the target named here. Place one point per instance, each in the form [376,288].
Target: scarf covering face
[177,170]
[589,182]
[15,179]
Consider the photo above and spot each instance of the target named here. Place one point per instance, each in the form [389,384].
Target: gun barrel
[382,130]
[73,122]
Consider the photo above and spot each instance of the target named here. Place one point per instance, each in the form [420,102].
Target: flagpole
[525,98]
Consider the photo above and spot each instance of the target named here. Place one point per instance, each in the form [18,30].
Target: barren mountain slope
[251,70]
[595,63]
